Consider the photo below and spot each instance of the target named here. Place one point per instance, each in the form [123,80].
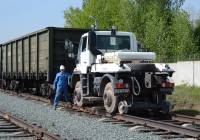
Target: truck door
[84,55]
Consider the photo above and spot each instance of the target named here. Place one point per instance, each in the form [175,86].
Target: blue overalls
[60,84]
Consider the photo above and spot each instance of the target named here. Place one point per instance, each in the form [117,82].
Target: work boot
[54,107]
[60,108]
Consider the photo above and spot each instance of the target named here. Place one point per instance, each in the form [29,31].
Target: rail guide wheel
[123,107]
[109,99]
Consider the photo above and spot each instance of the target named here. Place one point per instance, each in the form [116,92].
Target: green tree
[197,34]
[107,12]
[161,25]
[183,36]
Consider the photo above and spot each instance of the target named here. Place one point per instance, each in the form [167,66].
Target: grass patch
[189,112]
[186,100]
[185,95]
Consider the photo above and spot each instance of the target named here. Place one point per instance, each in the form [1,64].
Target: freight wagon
[32,60]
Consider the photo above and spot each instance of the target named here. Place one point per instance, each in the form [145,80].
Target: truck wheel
[109,99]
[77,98]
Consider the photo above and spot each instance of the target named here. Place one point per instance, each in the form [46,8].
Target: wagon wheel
[77,98]
[110,100]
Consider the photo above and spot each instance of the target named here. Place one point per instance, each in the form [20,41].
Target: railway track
[178,126]
[10,130]
[186,119]
[12,127]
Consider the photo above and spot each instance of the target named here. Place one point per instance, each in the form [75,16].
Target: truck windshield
[122,43]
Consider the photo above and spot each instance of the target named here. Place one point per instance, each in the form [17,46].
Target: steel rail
[186,119]
[160,125]
[146,122]
[35,130]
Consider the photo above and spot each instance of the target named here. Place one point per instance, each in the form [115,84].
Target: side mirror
[69,47]
[92,42]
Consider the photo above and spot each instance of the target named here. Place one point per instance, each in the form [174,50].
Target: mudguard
[104,80]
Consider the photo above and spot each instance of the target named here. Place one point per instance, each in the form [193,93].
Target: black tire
[110,100]
[78,98]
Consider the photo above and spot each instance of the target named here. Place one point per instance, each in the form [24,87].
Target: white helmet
[62,67]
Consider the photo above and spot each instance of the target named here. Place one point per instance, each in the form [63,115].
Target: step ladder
[85,84]
[89,99]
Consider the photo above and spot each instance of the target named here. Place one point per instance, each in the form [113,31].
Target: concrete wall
[187,72]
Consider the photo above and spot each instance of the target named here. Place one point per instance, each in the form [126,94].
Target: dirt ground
[187,109]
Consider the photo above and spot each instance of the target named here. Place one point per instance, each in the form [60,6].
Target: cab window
[84,44]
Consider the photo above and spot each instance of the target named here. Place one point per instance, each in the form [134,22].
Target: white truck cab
[110,69]
[109,46]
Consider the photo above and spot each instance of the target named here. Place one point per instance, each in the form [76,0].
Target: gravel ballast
[66,124]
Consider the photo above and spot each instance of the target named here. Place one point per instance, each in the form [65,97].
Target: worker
[60,86]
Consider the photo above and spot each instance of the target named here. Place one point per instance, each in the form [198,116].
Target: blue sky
[19,17]
[193,7]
